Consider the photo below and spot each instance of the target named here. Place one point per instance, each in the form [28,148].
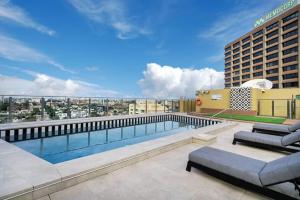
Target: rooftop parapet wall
[217,100]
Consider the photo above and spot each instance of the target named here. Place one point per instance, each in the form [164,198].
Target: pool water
[70,146]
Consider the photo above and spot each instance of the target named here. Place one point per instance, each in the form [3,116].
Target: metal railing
[21,108]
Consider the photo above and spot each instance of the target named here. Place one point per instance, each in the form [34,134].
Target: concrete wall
[208,103]
[279,96]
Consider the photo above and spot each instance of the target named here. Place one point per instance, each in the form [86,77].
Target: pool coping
[47,178]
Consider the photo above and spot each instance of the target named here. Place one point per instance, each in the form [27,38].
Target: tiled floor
[164,177]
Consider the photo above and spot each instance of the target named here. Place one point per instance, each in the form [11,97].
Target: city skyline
[118,48]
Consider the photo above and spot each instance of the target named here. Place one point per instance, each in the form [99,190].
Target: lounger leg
[233,142]
[188,166]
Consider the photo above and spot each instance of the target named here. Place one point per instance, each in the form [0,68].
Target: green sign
[286,6]
[298,97]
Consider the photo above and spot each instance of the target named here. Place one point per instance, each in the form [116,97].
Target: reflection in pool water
[70,146]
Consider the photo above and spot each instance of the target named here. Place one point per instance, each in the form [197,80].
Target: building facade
[270,51]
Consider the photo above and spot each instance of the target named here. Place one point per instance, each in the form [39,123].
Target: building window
[227,75]
[259,53]
[246,70]
[246,64]
[290,67]
[272,41]
[236,45]
[236,73]
[291,16]
[246,51]
[290,76]
[227,70]
[272,71]
[227,54]
[273,78]
[291,33]
[290,42]
[246,39]
[290,59]
[227,64]
[258,47]
[258,67]
[257,74]
[271,64]
[228,48]
[273,48]
[290,84]
[291,50]
[236,50]
[275,85]
[236,55]
[246,76]
[272,33]
[235,67]
[274,25]
[290,25]
[257,40]
[236,61]
[272,56]
[236,78]
[227,79]
[257,60]
[227,59]
[246,58]
[246,45]
[258,33]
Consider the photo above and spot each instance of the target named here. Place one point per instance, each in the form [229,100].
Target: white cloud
[112,13]
[168,81]
[45,85]
[15,50]
[8,11]
[91,68]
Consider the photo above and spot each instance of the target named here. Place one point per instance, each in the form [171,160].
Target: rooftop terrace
[153,169]
[164,176]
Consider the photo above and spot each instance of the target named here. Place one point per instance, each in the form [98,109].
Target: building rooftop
[164,176]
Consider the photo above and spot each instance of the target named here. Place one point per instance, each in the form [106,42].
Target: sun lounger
[278,179]
[289,143]
[275,129]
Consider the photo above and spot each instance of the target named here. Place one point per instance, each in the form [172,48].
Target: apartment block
[270,51]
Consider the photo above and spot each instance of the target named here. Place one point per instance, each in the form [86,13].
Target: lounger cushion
[272,127]
[294,127]
[280,170]
[238,166]
[291,138]
[259,138]
[286,188]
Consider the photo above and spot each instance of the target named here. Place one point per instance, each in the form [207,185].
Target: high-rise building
[270,51]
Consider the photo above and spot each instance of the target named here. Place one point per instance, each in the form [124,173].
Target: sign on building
[216,96]
[276,12]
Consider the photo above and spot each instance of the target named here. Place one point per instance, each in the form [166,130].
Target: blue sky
[125,48]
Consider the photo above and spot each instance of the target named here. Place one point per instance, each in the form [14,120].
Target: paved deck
[164,177]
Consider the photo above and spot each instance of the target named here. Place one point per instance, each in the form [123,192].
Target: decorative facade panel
[240,99]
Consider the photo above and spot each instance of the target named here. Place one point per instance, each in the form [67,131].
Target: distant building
[140,107]
[270,51]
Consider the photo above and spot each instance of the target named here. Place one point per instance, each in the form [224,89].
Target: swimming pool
[71,146]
